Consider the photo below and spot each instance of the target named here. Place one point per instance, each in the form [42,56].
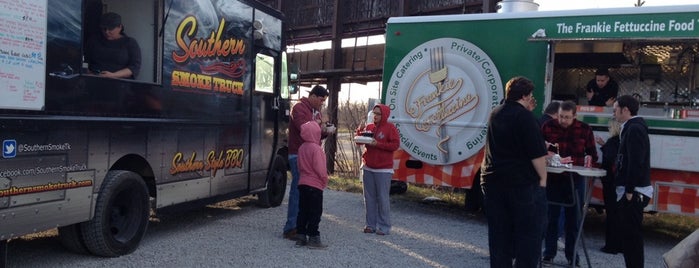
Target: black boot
[314,242]
[301,240]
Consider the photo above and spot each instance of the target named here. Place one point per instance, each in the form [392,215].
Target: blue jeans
[293,210]
[571,218]
[570,226]
[516,223]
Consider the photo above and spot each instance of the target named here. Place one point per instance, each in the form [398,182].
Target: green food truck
[444,74]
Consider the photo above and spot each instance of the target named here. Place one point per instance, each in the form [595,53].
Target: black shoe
[301,240]
[546,262]
[577,263]
[314,242]
[608,250]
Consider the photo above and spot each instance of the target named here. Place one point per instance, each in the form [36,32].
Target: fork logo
[440,102]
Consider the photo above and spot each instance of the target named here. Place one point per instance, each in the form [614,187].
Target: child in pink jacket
[313,177]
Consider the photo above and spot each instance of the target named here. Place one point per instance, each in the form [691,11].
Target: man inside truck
[113,54]
[602,90]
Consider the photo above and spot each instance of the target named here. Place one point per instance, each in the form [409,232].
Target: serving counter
[657,117]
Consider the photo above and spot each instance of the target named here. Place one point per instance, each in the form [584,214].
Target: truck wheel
[474,197]
[398,187]
[276,186]
[121,215]
[71,238]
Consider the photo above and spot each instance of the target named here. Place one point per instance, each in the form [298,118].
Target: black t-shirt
[514,139]
[114,55]
[602,94]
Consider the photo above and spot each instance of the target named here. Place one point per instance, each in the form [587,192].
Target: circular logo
[440,96]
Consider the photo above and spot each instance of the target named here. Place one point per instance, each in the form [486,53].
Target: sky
[358,93]
[545,5]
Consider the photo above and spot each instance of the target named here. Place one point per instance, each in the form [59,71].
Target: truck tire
[473,201]
[398,187]
[121,215]
[276,186]
[71,238]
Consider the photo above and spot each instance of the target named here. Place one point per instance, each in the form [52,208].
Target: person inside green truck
[602,90]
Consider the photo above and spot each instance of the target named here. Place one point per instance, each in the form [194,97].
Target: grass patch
[672,225]
[450,198]
[661,224]
[352,185]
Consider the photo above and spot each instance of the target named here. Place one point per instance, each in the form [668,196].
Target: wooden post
[334,84]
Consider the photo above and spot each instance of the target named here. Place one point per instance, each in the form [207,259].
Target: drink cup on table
[588,161]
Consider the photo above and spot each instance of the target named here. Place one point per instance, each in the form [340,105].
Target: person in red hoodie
[377,166]
[312,180]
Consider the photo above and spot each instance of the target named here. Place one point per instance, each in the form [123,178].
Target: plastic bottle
[588,161]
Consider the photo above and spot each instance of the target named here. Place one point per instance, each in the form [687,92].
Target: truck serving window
[140,20]
[285,77]
[264,73]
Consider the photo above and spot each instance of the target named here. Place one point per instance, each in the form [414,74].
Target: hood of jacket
[639,121]
[310,132]
[385,113]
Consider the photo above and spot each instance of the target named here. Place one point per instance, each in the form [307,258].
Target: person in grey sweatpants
[377,167]
[377,185]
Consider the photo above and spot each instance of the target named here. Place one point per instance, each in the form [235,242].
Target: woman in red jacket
[377,166]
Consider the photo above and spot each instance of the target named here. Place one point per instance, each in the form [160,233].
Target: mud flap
[3,253]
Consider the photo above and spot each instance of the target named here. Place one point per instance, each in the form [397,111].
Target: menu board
[674,152]
[22,54]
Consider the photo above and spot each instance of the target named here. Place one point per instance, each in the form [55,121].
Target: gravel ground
[238,234]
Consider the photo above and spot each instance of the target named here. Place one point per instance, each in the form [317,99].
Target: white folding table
[589,174]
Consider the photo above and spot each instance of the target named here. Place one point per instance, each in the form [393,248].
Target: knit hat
[110,20]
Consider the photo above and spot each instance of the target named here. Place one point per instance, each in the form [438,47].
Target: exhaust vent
[507,6]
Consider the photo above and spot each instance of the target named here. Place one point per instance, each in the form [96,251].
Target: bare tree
[349,155]
[639,3]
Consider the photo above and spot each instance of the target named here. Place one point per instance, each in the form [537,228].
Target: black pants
[310,210]
[630,221]
[612,239]
[516,224]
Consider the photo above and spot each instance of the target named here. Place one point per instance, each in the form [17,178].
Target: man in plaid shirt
[575,140]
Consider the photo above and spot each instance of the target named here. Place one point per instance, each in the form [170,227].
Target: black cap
[602,71]
[318,91]
[110,20]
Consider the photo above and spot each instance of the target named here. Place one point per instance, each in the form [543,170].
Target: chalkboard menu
[22,54]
